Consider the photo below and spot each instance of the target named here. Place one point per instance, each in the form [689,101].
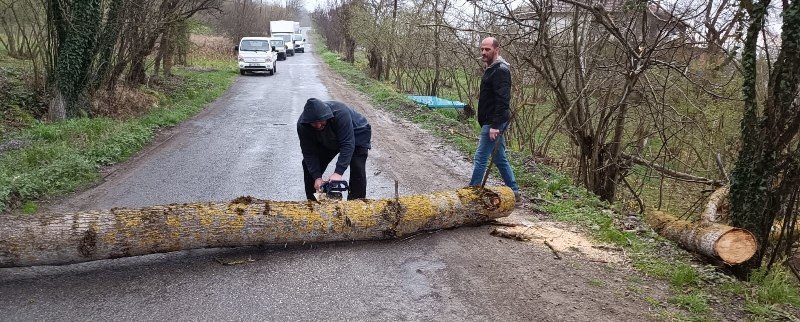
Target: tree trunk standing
[350,49]
[760,188]
[375,63]
[121,232]
[434,89]
[160,54]
[74,52]
[109,35]
[57,109]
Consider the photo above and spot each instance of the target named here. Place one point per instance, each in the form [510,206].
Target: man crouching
[327,128]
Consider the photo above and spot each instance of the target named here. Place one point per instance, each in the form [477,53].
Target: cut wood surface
[50,239]
[730,244]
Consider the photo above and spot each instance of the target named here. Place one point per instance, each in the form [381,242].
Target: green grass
[694,302]
[775,287]
[63,156]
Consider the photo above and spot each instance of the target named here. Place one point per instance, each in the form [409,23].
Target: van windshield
[298,37]
[286,38]
[276,43]
[254,45]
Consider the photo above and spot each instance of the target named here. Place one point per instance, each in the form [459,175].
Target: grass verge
[701,292]
[60,157]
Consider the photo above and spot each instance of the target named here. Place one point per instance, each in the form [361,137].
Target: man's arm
[347,140]
[502,93]
[310,158]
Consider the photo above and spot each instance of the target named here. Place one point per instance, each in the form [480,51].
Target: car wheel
[242,72]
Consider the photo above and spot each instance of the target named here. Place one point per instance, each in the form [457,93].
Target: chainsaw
[332,190]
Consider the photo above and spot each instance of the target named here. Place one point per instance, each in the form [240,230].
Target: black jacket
[345,130]
[495,95]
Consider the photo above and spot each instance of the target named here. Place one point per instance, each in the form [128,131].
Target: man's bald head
[490,49]
[491,41]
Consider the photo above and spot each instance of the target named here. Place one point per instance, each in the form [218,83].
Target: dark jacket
[345,131]
[495,95]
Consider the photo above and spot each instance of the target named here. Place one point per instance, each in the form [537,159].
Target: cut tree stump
[730,244]
[54,239]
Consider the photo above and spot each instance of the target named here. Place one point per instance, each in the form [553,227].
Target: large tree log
[715,200]
[50,239]
[729,244]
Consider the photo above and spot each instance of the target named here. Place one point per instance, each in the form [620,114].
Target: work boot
[517,197]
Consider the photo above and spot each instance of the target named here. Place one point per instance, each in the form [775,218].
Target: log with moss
[52,239]
[729,244]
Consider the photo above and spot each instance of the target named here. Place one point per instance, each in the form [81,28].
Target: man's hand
[318,184]
[493,133]
[335,177]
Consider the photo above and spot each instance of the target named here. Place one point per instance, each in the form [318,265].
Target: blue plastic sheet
[436,102]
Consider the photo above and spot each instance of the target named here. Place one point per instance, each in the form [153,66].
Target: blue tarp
[436,102]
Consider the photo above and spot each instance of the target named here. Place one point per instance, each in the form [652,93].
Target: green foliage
[20,102]
[684,275]
[29,208]
[64,156]
[695,302]
[198,27]
[775,287]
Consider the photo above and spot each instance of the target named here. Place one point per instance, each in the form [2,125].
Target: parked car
[278,46]
[287,39]
[256,54]
[299,43]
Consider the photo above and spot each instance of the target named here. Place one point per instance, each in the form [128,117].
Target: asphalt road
[246,144]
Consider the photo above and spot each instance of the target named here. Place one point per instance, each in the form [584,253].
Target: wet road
[246,144]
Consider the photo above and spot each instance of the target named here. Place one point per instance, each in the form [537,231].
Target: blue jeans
[482,155]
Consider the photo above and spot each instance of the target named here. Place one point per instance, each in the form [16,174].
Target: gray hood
[499,60]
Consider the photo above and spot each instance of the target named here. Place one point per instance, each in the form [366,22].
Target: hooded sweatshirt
[495,94]
[345,130]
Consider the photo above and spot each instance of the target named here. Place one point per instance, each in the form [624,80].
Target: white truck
[256,54]
[285,29]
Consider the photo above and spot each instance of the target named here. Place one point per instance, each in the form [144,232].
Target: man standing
[329,128]
[493,115]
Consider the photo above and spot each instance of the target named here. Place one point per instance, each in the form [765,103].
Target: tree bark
[52,239]
[730,244]
[709,215]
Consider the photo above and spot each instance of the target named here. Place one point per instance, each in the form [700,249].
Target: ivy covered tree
[766,178]
[74,28]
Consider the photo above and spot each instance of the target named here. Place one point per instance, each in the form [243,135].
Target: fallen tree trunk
[709,215]
[729,244]
[53,239]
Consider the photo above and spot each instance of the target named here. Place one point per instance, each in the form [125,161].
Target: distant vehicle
[279,46]
[256,54]
[287,39]
[299,43]
[285,29]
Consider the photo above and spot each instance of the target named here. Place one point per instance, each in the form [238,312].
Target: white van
[256,54]
[279,46]
[299,43]
[287,38]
